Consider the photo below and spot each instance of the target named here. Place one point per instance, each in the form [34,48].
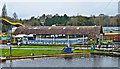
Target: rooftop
[86,30]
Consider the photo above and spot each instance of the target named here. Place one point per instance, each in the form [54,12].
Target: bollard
[10,51]
[32,54]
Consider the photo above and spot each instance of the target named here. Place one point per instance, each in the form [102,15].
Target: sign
[116,38]
[5,38]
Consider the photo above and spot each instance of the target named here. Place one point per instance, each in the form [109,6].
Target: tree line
[65,20]
[101,20]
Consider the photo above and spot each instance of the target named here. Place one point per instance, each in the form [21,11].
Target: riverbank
[41,56]
[24,52]
[37,50]
[80,53]
[112,54]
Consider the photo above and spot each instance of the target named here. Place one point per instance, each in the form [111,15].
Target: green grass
[0,52]
[85,51]
[20,52]
[38,46]
[6,52]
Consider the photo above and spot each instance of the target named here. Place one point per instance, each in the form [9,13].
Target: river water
[76,61]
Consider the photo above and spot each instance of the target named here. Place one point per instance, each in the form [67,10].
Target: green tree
[4,14]
[57,20]
[80,21]
[4,11]
[15,15]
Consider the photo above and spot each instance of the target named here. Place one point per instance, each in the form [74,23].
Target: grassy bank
[25,52]
[6,52]
[38,46]
[85,51]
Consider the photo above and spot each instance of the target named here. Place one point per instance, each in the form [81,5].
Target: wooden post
[10,51]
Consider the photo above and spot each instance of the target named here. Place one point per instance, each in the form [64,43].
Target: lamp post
[83,39]
[40,39]
[68,41]
[53,38]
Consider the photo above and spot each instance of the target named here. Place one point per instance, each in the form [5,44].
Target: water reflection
[32,58]
[11,64]
[119,63]
[68,58]
[75,61]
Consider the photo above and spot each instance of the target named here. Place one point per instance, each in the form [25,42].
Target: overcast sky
[28,8]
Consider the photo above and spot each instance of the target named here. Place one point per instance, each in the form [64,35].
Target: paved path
[8,47]
[37,48]
[5,46]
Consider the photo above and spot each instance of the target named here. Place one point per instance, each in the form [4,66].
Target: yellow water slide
[12,23]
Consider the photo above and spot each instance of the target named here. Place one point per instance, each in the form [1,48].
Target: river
[76,61]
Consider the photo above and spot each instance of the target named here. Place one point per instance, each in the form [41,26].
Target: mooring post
[10,51]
